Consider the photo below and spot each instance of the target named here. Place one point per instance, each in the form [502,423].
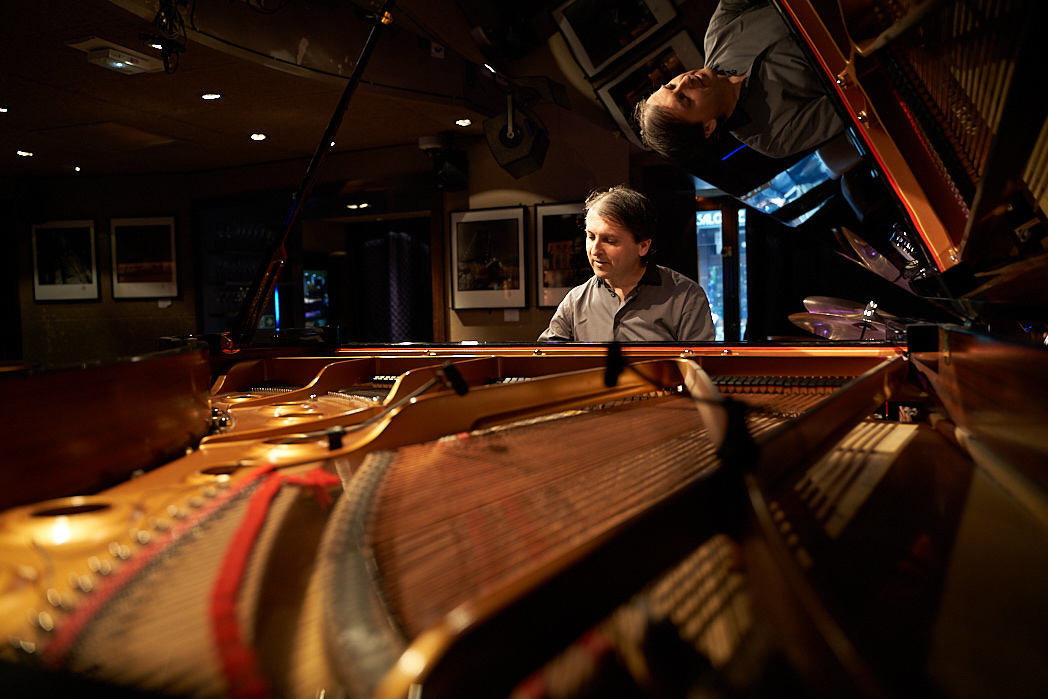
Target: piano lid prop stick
[269,273]
[453,379]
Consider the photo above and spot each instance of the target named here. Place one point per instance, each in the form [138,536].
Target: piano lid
[946,109]
[949,126]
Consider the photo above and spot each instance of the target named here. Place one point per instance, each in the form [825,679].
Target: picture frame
[669,59]
[64,263]
[487,258]
[599,32]
[560,251]
[144,258]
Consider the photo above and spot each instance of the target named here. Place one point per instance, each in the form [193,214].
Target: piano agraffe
[823,519]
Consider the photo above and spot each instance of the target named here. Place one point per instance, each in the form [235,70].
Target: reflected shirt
[664,306]
[784,108]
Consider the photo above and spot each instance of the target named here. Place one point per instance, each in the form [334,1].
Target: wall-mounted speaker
[521,152]
[451,170]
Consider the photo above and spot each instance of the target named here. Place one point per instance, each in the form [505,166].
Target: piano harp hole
[72,510]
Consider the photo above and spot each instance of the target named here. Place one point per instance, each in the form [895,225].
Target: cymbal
[870,258]
[840,327]
[835,306]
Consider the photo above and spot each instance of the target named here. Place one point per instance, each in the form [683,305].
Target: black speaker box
[524,152]
[451,169]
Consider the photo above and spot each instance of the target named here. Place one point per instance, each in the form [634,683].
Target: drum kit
[838,319]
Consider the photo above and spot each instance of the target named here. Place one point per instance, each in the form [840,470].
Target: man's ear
[644,246]
[708,127]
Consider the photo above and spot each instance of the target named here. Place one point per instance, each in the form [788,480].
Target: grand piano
[861,514]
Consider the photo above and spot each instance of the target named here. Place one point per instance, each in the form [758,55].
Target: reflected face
[696,97]
[613,252]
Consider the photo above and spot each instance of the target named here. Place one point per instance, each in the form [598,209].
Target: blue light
[276,306]
[733,152]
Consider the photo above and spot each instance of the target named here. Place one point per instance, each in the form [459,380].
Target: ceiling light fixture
[258,137]
[25,154]
[171,40]
[120,61]
[3,110]
[168,48]
[210,96]
[114,56]
[463,122]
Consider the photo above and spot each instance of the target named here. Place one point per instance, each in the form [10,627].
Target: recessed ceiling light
[488,66]
[25,154]
[76,168]
[210,96]
[3,110]
[463,122]
[258,137]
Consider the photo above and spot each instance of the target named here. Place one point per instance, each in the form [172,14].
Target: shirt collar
[739,118]
[651,276]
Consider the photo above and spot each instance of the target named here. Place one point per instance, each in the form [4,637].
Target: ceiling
[280,73]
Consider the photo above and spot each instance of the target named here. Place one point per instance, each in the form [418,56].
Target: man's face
[613,253]
[695,97]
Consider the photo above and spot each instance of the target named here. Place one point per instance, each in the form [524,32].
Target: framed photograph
[487,258]
[143,257]
[64,267]
[600,31]
[621,94]
[560,251]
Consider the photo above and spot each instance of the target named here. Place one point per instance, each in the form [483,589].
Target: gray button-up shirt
[664,306]
[784,108]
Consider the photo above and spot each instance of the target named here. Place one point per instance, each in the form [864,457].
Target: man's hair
[669,137]
[628,209]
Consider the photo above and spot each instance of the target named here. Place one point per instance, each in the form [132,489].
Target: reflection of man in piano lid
[756,83]
[627,299]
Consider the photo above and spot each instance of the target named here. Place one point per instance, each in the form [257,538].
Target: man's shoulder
[675,278]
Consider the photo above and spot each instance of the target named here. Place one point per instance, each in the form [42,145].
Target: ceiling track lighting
[169,50]
[171,36]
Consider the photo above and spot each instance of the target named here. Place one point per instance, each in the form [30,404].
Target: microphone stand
[268,274]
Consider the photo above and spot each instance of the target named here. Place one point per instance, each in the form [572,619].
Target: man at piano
[757,84]
[628,298]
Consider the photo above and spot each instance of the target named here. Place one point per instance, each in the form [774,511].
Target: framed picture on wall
[64,267]
[143,257]
[621,94]
[560,251]
[487,258]
[600,31]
